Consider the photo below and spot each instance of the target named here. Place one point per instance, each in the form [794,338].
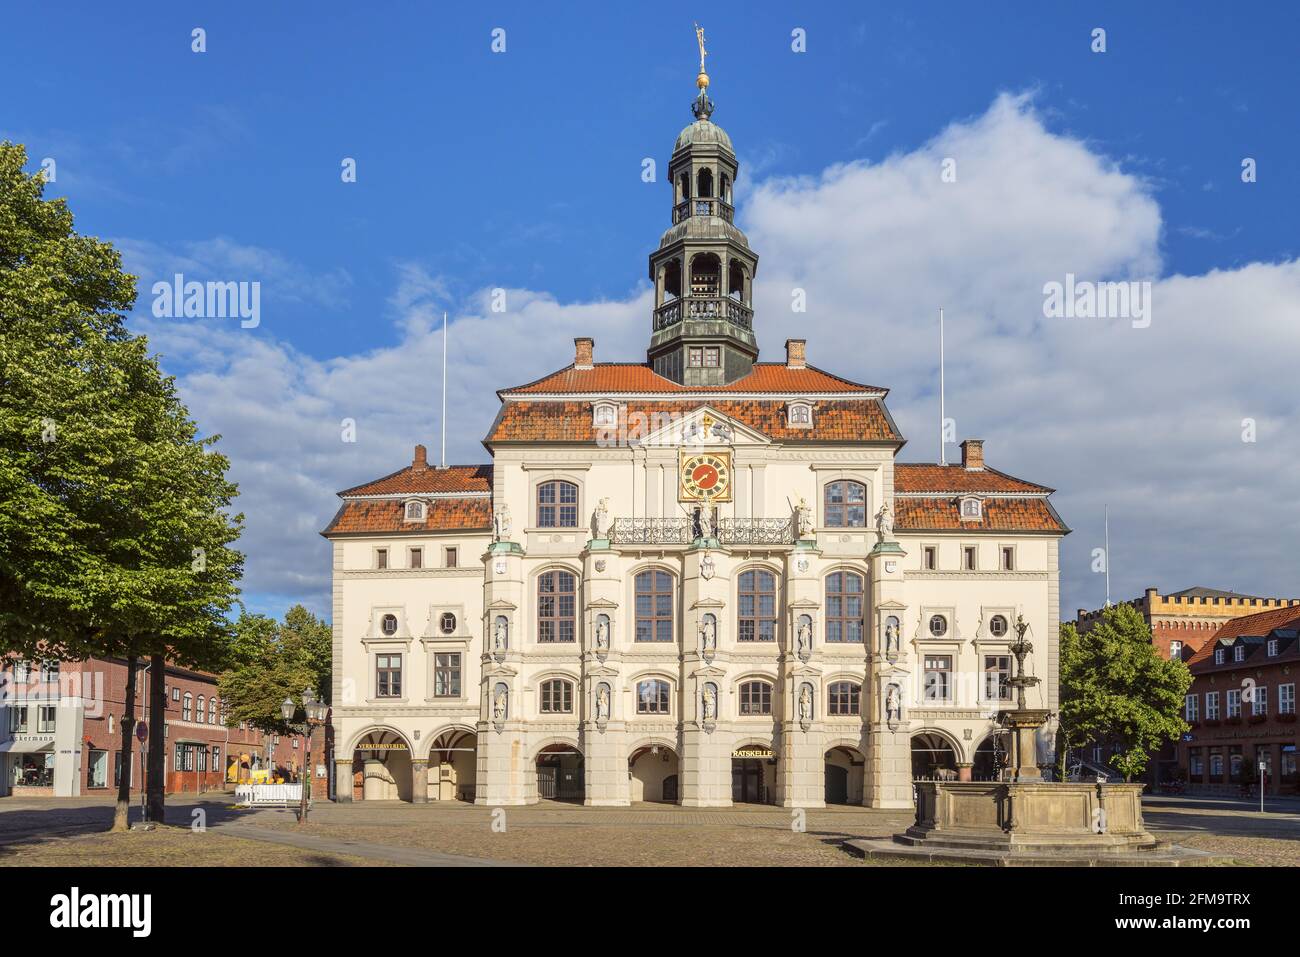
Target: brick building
[1242,707]
[60,731]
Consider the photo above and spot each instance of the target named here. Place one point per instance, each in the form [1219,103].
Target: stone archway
[845,767]
[934,756]
[653,771]
[560,773]
[453,765]
[381,766]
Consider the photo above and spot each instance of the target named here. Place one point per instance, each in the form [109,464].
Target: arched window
[706,183]
[846,505]
[654,606]
[705,281]
[556,604]
[652,696]
[756,697]
[844,698]
[557,696]
[212,710]
[725,191]
[187,706]
[684,185]
[736,280]
[557,505]
[200,710]
[844,612]
[414,511]
[757,617]
[673,279]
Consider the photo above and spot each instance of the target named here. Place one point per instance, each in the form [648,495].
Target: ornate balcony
[679,531]
[732,310]
[756,531]
[704,206]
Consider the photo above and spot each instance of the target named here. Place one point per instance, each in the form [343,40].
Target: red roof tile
[387,515]
[429,481]
[917,477]
[855,420]
[998,515]
[1258,625]
[614,377]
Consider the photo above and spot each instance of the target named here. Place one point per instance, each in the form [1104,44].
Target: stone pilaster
[343,781]
[419,781]
[888,773]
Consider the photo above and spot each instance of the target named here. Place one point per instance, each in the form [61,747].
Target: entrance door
[546,781]
[837,784]
[746,781]
[670,789]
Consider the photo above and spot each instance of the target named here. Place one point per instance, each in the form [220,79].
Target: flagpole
[443,457]
[943,452]
[1107,556]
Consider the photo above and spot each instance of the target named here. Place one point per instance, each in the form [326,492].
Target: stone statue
[501,523]
[885,523]
[499,706]
[602,519]
[704,521]
[805,704]
[708,633]
[805,637]
[891,634]
[602,703]
[500,634]
[710,703]
[803,515]
[602,632]
[892,704]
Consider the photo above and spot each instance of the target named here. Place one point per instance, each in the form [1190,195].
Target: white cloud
[1147,420]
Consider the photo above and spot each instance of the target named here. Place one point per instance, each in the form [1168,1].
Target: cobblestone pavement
[441,834]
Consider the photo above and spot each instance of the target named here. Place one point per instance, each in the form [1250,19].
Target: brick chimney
[421,460]
[972,455]
[794,354]
[583,349]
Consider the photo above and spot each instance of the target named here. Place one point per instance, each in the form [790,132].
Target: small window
[388,624]
[652,696]
[997,677]
[1259,700]
[1239,653]
[451,557]
[970,509]
[844,698]
[417,558]
[755,698]
[1212,706]
[388,676]
[968,558]
[604,415]
[1190,712]
[447,623]
[557,697]
[446,675]
[415,511]
[998,626]
[1175,651]
[1008,558]
[712,357]
[938,625]
[1272,647]
[938,677]
[800,413]
[176,694]
[1219,656]
[930,558]
[695,358]
[187,706]
[381,558]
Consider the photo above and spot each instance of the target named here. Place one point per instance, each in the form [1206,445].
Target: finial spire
[703,106]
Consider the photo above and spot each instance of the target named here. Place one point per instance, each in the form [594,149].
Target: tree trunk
[123,809]
[157,739]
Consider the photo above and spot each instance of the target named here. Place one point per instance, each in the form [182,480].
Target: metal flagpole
[442,461]
[943,452]
[1107,556]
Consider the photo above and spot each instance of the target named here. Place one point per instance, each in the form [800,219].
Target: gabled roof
[427,480]
[1258,626]
[996,515]
[613,378]
[915,477]
[374,516]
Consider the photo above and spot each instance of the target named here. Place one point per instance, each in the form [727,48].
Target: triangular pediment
[703,427]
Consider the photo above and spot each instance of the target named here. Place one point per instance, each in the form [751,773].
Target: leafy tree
[274,660]
[1116,689]
[115,530]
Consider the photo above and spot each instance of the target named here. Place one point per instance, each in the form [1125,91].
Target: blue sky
[522,170]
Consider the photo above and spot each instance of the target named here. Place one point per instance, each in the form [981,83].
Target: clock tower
[702,332]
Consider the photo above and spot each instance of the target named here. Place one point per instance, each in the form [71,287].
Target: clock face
[705,477]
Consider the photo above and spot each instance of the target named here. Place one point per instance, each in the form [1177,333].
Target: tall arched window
[705,183]
[846,505]
[757,608]
[199,710]
[654,606]
[652,696]
[557,696]
[756,697]
[844,616]
[844,698]
[557,505]
[212,710]
[187,706]
[556,604]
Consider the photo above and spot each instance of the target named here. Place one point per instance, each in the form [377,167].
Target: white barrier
[264,795]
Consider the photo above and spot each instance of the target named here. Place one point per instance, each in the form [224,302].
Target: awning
[25,746]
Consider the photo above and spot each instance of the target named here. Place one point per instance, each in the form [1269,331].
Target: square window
[452,558]
[381,558]
[417,558]
[930,559]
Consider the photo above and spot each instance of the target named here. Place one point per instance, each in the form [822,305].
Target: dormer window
[604,415]
[1239,653]
[415,511]
[1219,656]
[799,415]
[972,510]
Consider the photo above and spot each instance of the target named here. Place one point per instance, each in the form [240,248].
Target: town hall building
[702,578]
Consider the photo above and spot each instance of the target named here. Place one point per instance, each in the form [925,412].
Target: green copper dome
[704,133]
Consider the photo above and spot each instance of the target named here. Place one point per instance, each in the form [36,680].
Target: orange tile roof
[360,516]
[1259,625]
[855,420]
[997,515]
[917,477]
[615,377]
[428,481]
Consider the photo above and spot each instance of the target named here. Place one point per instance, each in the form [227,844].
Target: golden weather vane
[703,79]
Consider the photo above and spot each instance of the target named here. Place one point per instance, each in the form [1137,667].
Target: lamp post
[313,716]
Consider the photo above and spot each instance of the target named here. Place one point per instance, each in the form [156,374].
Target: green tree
[274,660]
[1117,690]
[115,529]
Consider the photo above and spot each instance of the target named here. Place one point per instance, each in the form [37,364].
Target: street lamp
[314,711]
